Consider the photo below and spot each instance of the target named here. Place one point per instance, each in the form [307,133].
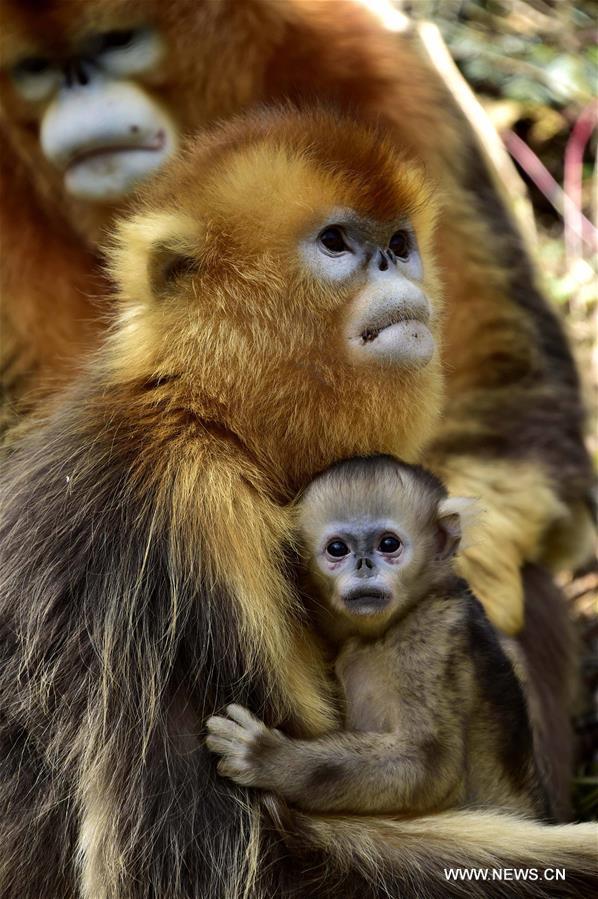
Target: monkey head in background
[432,703]
[276,291]
[94,98]
[100,131]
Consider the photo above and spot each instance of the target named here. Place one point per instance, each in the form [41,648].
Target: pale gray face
[98,126]
[375,566]
[390,316]
[360,560]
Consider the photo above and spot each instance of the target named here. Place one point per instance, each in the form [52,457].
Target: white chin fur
[109,176]
[408,344]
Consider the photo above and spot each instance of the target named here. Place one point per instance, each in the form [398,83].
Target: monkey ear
[149,252]
[167,263]
[449,525]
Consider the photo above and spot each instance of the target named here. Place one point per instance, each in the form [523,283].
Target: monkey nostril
[359,564]
[76,74]
[382,261]
[368,564]
[83,76]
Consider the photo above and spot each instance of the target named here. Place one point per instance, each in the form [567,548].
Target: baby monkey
[435,715]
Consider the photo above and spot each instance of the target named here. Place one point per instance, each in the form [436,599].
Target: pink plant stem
[554,193]
[572,182]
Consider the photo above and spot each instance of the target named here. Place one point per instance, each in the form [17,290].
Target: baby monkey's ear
[454,514]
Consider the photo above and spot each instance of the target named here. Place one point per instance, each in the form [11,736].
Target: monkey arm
[512,430]
[517,502]
[244,552]
[343,772]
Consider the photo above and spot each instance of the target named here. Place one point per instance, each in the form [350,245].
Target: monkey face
[258,264]
[360,561]
[84,88]
[265,225]
[388,321]
[378,534]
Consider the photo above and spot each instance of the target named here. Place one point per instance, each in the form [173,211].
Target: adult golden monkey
[276,289]
[94,97]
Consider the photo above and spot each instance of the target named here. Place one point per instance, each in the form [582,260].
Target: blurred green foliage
[527,50]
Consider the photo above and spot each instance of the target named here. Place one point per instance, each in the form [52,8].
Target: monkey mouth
[391,318]
[86,154]
[108,169]
[367,601]
[394,335]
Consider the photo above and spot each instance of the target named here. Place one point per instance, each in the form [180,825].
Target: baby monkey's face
[378,534]
[363,564]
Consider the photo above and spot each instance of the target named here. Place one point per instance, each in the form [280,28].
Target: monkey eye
[115,40]
[400,244]
[389,544]
[337,549]
[32,65]
[333,240]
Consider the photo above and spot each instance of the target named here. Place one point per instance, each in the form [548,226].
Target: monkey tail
[456,853]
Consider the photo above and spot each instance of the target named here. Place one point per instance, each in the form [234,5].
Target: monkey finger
[222,745]
[239,773]
[218,724]
[243,716]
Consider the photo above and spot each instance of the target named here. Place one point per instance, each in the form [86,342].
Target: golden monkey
[264,322]
[435,716]
[95,96]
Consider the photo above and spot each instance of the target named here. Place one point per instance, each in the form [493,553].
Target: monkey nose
[364,562]
[383,259]
[76,73]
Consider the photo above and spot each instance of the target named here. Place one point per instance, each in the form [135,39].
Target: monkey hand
[516,504]
[496,581]
[246,746]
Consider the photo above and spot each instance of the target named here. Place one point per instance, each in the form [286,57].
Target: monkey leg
[548,645]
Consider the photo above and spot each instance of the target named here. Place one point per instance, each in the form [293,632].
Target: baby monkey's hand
[246,745]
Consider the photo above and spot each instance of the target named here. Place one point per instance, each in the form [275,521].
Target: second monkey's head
[282,268]
[378,535]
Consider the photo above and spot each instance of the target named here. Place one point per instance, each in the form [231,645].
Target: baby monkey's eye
[389,544]
[333,240]
[400,244]
[337,549]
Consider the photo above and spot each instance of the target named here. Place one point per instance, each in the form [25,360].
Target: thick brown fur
[513,420]
[144,584]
